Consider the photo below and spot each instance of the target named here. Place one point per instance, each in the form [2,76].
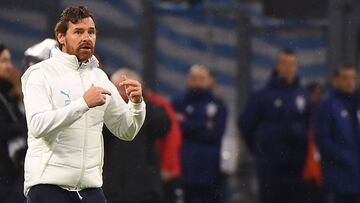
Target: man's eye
[77,32]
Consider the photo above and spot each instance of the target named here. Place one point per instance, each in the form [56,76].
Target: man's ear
[61,38]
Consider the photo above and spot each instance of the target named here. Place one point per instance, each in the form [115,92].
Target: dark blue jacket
[203,128]
[274,125]
[337,135]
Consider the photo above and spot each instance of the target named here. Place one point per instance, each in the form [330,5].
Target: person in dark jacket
[337,133]
[274,126]
[13,129]
[135,177]
[202,118]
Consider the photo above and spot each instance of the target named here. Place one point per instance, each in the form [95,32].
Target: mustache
[88,45]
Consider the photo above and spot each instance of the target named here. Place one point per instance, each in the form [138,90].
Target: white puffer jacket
[65,143]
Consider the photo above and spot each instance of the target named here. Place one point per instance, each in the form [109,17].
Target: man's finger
[129,83]
[132,88]
[104,91]
[135,94]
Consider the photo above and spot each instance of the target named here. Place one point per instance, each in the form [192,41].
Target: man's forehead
[82,23]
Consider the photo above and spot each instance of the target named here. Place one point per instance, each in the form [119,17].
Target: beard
[83,51]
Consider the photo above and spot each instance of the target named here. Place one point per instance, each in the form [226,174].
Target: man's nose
[86,36]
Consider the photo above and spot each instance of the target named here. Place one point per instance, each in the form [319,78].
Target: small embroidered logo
[67,95]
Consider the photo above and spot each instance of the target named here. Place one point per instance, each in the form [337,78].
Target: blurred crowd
[304,140]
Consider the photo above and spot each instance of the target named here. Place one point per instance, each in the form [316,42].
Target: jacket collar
[72,61]
[342,94]
[275,81]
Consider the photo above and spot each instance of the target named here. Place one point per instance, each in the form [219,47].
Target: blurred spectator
[13,130]
[203,118]
[337,135]
[132,169]
[169,150]
[312,169]
[274,125]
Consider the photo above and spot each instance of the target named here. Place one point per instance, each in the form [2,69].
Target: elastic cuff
[137,106]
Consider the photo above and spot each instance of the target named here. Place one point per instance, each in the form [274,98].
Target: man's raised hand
[132,88]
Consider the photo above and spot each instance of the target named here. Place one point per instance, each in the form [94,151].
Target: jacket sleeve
[249,120]
[42,118]
[323,132]
[123,120]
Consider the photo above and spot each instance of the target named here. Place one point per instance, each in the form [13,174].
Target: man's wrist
[137,102]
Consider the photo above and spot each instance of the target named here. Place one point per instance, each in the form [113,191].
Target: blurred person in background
[274,124]
[337,131]
[312,169]
[169,150]
[132,169]
[67,100]
[13,131]
[203,119]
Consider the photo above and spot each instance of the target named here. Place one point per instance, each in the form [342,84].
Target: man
[274,125]
[135,177]
[202,118]
[67,100]
[337,134]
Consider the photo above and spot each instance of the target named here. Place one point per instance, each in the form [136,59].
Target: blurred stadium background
[237,40]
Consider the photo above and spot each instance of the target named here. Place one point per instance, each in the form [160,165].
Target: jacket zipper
[85,133]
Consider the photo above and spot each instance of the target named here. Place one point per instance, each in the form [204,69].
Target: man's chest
[70,86]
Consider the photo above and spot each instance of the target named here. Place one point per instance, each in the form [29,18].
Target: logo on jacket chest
[278,103]
[189,109]
[66,95]
[300,103]
[344,113]
[211,109]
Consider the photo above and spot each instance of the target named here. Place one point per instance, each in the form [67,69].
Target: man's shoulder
[41,64]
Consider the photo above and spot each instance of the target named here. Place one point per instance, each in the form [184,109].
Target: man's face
[287,67]
[346,81]
[79,39]
[199,78]
[5,63]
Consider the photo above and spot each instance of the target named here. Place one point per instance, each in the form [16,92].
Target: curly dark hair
[72,14]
